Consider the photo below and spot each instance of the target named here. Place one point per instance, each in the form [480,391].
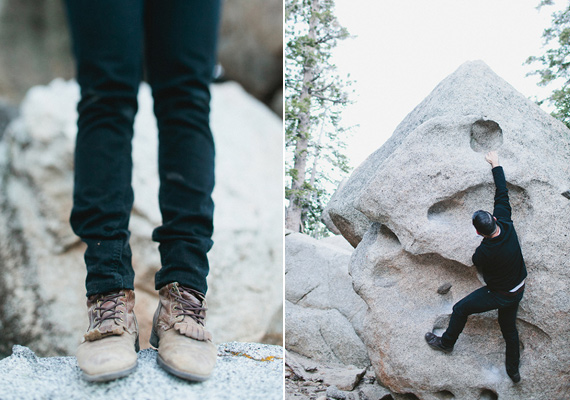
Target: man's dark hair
[484,222]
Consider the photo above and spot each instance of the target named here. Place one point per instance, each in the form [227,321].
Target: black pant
[175,40]
[482,300]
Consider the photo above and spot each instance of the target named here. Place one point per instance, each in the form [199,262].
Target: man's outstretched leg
[107,43]
[180,43]
[479,301]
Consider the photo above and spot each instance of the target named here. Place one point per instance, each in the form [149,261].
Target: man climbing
[499,259]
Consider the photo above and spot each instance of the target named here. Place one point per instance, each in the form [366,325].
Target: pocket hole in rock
[488,394]
[445,395]
[408,396]
[389,235]
[486,135]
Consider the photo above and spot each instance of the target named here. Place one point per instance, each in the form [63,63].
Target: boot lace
[187,306]
[105,311]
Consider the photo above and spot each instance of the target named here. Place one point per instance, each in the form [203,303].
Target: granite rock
[323,314]
[343,377]
[417,194]
[334,380]
[243,371]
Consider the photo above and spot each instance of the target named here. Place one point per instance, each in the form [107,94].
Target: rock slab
[243,371]
[323,314]
[408,208]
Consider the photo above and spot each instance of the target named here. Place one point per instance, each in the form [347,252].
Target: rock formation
[243,371]
[408,209]
[323,315]
[306,379]
[324,324]
[42,273]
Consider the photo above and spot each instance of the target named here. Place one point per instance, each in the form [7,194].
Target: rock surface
[306,379]
[416,194]
[243,371]
[42,273]
[323,314]
[341,376]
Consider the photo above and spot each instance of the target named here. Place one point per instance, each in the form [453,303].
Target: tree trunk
[313,196]
[296,199]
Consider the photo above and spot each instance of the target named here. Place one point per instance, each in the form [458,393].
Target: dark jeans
[175,41]
[482,300]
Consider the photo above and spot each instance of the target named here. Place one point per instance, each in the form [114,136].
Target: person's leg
[481,300]
[181,43]
[107,43]
[507,322]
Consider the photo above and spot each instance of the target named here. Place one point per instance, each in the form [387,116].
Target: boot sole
[181,374]
[176,372]
[109,376]
[440,349]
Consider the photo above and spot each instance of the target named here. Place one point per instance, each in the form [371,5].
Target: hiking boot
[436,344]
[109,348]
[185,347]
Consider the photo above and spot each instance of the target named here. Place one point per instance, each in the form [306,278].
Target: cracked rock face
[408,208]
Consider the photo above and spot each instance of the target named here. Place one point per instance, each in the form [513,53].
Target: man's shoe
[185,347]
[109,348]
[514,375]
[435,343]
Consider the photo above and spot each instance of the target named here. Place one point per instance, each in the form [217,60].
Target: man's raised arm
[502,205]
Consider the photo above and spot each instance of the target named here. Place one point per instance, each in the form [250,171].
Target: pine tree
[315,96]
[556,62]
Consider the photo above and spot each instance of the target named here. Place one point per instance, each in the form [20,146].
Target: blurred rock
[35,46]
[42,273]
[7,114]
[277,102]
[251,47]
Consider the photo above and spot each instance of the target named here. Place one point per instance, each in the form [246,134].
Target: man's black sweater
[500,258]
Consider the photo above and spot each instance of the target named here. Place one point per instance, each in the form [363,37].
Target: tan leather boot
[185,347]
[109,348]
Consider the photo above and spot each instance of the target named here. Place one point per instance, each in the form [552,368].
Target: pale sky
[405,48]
